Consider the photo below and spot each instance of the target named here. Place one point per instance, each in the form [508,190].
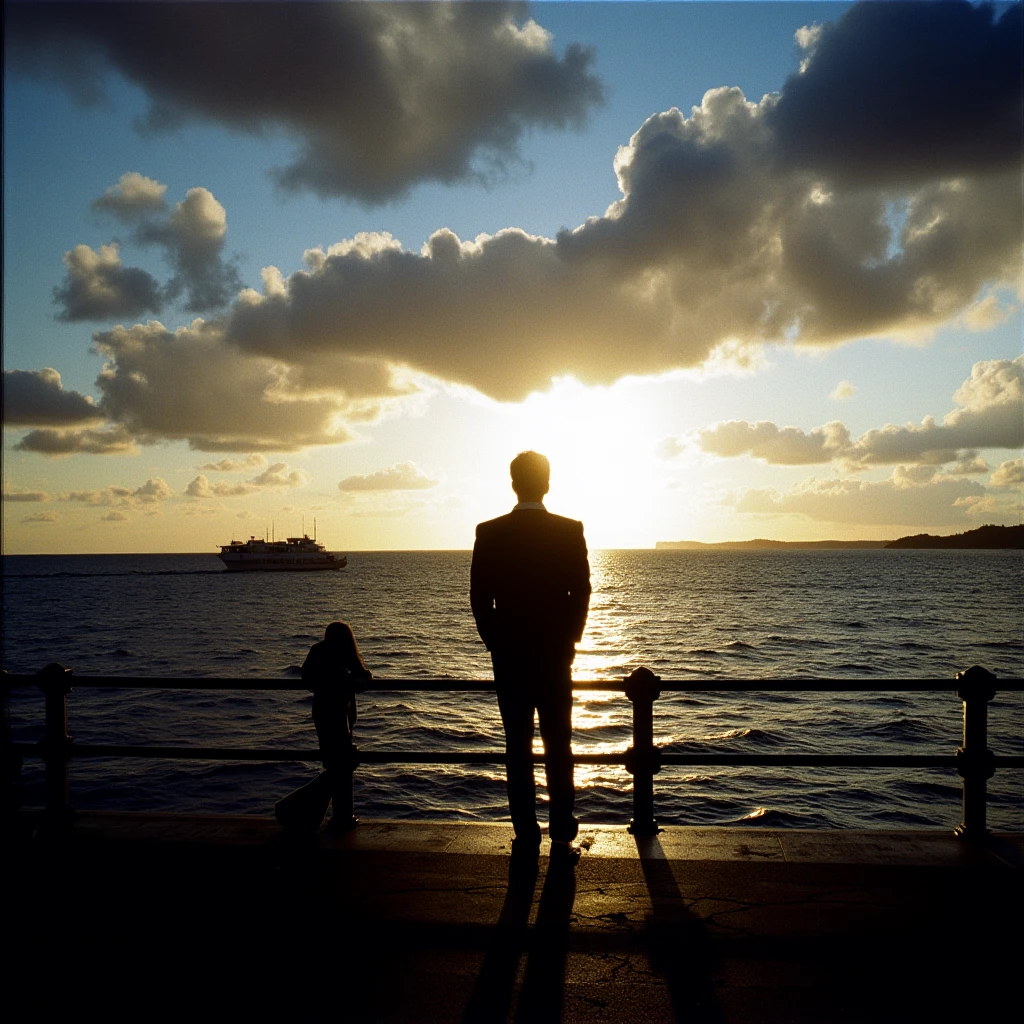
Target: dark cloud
[906,90]
[36,398]
[715,243]
[113,441]
[378,96]
[97,287]
[404,476]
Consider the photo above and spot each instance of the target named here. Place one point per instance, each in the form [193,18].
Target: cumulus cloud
[731,231]
[985,314]
[154,490]
[404,476]
[97,286]
[722,237]
[188,385]
[200,487]
[990,415]
[37,398]
[20,495]
[1009,474]
[110,441]
[193,238]
[782,446]
[378,97]
[42,517]
[844,389]
[902,500]
[134,195]
[275,477]
[235,465]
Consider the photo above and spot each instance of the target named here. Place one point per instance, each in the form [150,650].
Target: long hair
[339,634]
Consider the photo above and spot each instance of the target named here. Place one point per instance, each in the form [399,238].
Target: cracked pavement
[435,922]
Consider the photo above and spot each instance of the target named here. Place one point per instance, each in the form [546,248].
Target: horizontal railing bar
[498,757]
[879,685]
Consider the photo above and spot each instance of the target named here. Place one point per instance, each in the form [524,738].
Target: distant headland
[984,537]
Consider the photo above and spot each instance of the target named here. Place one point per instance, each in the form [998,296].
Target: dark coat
[530,585]
[334,684]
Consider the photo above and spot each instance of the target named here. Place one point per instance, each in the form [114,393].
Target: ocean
[691,616]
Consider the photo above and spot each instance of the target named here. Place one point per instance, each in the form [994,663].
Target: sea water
[693,617]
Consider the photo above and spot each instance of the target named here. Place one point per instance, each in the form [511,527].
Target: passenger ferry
[296,554]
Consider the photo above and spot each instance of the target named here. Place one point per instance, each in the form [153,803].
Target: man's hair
[531,474]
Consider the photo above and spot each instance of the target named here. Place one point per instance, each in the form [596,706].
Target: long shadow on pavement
[678,946]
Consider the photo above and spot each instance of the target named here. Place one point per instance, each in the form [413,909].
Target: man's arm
[579,587]
[481,591]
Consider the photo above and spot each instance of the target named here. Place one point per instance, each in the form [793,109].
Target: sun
[602,446]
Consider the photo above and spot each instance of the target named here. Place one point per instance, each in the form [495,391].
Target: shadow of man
[540,999]
[547,947]
[495,985]
[678,946]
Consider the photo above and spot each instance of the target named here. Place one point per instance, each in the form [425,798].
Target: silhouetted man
[530,591]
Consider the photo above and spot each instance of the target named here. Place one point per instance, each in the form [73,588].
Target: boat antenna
[314,529]
[273,534]
[303,524]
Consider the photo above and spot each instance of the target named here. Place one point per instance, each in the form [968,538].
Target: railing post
[975,763]
[55,682]
[643,759]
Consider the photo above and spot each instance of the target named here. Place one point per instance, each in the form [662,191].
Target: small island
[985,537]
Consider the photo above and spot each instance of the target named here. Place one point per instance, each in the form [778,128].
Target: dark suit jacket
[530,585]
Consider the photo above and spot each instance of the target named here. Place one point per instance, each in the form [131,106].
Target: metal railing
[973,761]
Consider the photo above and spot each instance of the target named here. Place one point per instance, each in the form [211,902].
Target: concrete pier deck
[152,915]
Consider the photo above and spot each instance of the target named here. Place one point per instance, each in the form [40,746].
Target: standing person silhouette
[335,671]
[530,592]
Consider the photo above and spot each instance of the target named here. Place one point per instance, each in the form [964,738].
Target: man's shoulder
[528,519]
[491,526]
[565,523]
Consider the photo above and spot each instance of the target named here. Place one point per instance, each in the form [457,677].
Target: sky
[738,269]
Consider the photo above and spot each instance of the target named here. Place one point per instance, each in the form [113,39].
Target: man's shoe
[338,826]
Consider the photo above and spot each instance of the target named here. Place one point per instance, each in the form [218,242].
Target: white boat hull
[261,565]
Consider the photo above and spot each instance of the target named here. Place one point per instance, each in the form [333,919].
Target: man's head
[531,474]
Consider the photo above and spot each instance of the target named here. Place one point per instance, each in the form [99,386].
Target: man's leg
[554,709]
[517,718]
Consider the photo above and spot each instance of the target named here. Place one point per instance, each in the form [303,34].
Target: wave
[772,817]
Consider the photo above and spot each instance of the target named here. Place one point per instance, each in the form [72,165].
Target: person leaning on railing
[335,671]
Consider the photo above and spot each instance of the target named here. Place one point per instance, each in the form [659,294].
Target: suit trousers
[525,688]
